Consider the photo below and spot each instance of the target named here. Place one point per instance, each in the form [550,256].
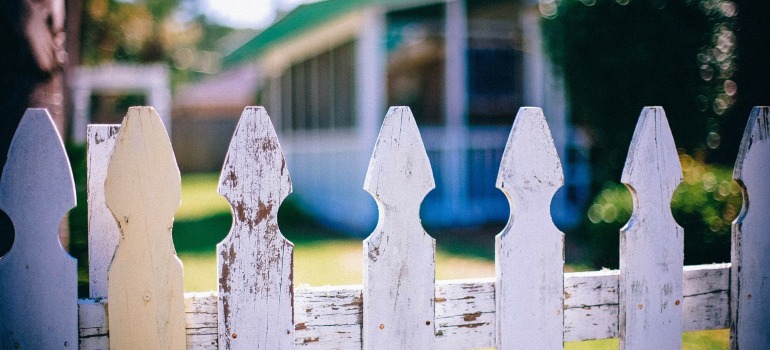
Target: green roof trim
[303,18]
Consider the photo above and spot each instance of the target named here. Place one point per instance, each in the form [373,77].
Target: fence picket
[399,270]
[103,230]
[529,254]
[38,279]
[647,303]
[145,283]
[651,243]
[255,261]
[750,292]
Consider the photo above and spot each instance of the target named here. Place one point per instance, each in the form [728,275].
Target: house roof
[304,18]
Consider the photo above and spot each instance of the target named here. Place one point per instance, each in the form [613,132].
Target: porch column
[159,97]
[456,105]
[544,87]
[370,95]
[81,105]
[370,78]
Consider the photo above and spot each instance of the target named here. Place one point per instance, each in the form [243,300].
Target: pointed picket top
[103,230]
[757,132]
[255,261]
[38,279]
[652,154]
[37,172]
[399,265]
[399,170]
[651,243]
[145,283]
[530,305]
[750,323]
[530,163]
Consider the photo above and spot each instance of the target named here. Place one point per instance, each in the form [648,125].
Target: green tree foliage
[618,56]
[705,204]
[704,61]
[752,76]
[145,31]
[122,31]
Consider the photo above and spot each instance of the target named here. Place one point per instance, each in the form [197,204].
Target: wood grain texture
[145,281]
[465,314]
[255,261]
[330,317]
[529,254]
[750,326]
[651,243]
[93,328]
[103,230]
[38,279]
[399,270]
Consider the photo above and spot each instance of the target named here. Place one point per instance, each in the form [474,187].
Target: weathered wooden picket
[133,190]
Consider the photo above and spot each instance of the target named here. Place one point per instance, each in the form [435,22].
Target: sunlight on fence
[134,189]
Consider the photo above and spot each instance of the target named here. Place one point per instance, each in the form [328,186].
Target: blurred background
[326,71]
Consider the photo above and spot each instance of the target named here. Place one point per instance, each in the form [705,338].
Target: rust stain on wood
[357,302]
[472,325]
[471,316]
[311,340]
[240,211]
[264,210]
[231,179]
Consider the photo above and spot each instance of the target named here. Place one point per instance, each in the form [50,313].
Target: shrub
[704,204]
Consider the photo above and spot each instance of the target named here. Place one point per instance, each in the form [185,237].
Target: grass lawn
[703,340]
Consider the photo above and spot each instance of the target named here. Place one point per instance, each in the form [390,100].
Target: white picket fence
[137,299]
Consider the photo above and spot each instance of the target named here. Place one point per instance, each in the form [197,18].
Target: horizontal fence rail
[332,316]
[136,298]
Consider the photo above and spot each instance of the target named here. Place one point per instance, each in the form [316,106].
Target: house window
[494,63]
[317,93]
[494,89]
[343,59]
[416,58]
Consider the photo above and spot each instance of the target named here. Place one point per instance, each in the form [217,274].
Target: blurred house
[327,72]
[205,115]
